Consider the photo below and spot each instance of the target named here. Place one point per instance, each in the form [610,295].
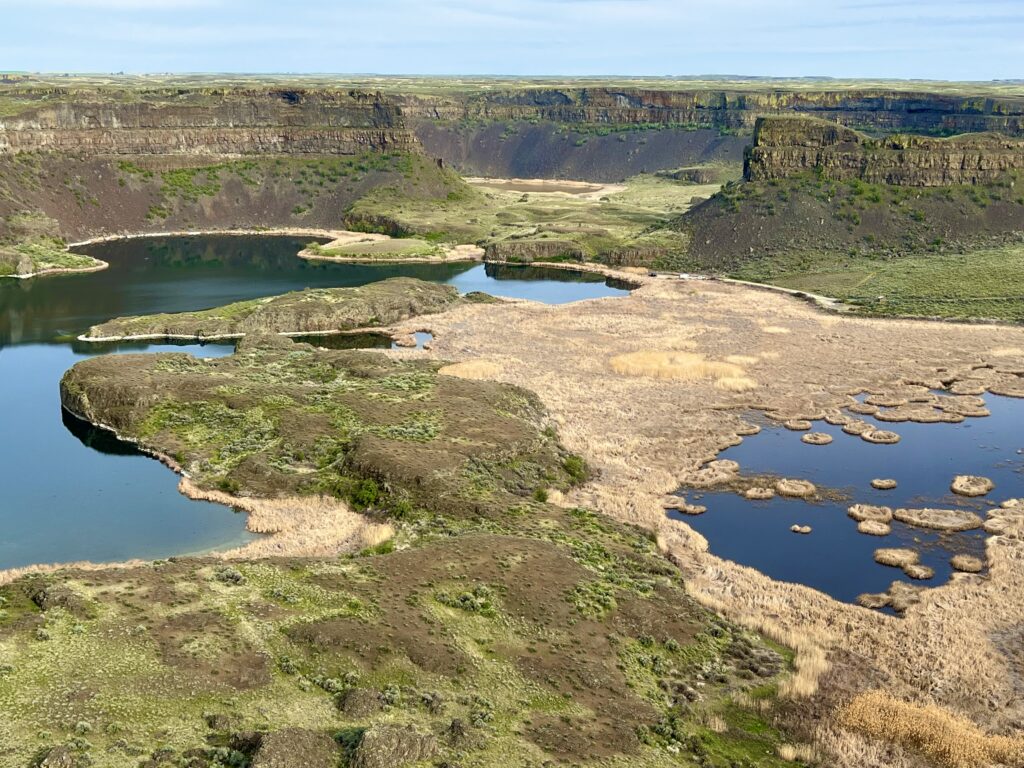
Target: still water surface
[835,558]
[70,492]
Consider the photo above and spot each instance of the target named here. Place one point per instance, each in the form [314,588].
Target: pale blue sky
[939,39]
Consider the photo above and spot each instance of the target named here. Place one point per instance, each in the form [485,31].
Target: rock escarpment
[732,108]
[785,147]
[212,122]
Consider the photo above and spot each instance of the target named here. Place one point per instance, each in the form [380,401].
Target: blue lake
[71,492]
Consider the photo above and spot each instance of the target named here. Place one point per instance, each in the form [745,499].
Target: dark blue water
[835,558]
[71,492]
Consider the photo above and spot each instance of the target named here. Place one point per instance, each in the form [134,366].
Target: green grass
[408,248]
[986,283]
[633,217]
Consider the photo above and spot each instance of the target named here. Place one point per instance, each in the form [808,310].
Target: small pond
[835,558]
[71,492]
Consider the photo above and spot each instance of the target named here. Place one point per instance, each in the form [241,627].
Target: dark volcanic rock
[784,146]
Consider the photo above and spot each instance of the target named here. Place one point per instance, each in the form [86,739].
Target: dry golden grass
[645,436]
[803,753]
[774,329]
[846,749]
[716,723]
[741,360]
[809,644]
[940,735]
[1007,352]
[736,383]
[682,366]
[473,369]
[308,526]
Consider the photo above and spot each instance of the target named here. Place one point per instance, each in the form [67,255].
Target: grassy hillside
[67,198]
[496,628]
[950,252]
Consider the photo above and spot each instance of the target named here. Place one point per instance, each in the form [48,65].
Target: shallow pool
[835,558]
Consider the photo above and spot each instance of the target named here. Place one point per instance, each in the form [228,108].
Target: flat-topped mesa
[788,146]
[228,122]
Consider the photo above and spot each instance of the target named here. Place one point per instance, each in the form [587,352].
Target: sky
[930,39]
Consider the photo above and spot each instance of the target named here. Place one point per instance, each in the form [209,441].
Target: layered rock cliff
[786,146]
[874,109]
[203,121]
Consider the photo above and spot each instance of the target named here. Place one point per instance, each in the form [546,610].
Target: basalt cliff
[785,146]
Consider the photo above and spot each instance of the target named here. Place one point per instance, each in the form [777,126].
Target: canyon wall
[210,122]
[593,132]
[872,110]
[786,146]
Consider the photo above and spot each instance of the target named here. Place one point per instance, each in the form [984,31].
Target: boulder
[359,702]
[58,757]
[294,747]
[388,746]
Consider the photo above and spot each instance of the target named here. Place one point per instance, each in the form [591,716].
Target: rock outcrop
[526,251]
[786,146]
[733,109]
[205,122]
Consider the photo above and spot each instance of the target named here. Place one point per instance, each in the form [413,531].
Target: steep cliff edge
[816,187]
[203,121]
[787,146]
[878,110]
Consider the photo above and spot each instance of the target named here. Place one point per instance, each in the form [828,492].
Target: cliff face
[338,120]
[784,147]
[238,122]
[874,110]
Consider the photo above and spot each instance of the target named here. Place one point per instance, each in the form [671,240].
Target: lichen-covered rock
[817,438]
[883,484]
[359,702]
[297,747]
[389,746]
[758,493]
[58,757]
